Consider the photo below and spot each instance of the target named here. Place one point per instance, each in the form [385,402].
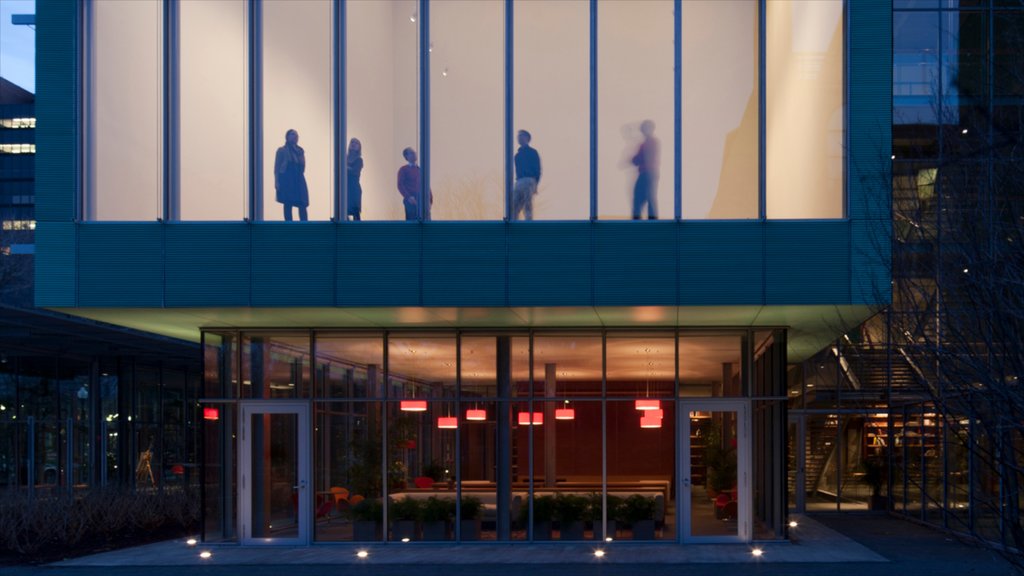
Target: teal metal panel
[120,264]
[465,264]
[807,262]
[379,264]
[550,264]
[635,263]
[57,90]
[721,263]
[871,262]
[293,264]
[208,264]
[55,264]
[869,109]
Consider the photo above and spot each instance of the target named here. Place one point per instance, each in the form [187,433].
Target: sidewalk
[830,545]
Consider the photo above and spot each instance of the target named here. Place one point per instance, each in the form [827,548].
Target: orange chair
[340,495]
[355,499]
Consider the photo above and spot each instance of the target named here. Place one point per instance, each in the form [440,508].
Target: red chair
[423,482]
[324,510]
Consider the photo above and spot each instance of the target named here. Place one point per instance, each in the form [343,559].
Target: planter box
[611,530]
[366,531]
[470,529]
[542,531]
[435,531]
[403,529]
[878,503]
[570,530]
[643,530]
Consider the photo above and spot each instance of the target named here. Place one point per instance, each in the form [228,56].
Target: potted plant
[875,476]
[366,517]
[434,471]
[543,514]
[405,513]
[570,510]
[470,513]
[437,514]
[721,462]
[638,511]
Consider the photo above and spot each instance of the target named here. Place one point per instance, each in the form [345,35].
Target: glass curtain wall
[383,116]
[125,113]
[213,131]
[551,81]
[720,109]
[298,110]
[635,119]
[804,109]
[476,436]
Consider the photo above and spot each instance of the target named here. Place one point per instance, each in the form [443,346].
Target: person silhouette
[645,190]
[290,177]
[527,163]
[355,169]
[410,186]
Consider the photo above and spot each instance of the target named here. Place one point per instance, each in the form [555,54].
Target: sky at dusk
[17,45]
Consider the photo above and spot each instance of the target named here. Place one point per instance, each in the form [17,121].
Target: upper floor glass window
[648,114]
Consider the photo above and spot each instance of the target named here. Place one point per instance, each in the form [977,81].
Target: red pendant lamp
[413,406]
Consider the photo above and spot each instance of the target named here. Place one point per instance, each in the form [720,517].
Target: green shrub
[637,508]
[368,510]
[570,508]
[405,509]
[472,508]
[438,509]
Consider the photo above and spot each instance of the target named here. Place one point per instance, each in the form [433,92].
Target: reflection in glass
[714,494]
[641,471]
[350,367]
[710,366]
[720,109]
[348,471]
[275,475]
[297,97]
[635,42]
[804,109]
[275,366]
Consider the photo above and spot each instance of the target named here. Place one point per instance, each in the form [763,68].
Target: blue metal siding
[207,265]
[57,90]
[635,263]
[55,264]
[379,264]
[869,108]
[550,264]
[464,264]
[807,262]
[293,264]
[721,263]
[871,262]
[120,265]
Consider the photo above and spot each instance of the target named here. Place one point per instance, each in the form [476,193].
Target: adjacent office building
[391,348]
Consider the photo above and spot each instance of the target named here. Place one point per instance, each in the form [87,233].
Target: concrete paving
[824,545]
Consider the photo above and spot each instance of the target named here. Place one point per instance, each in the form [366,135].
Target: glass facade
[502,437]
[710,114]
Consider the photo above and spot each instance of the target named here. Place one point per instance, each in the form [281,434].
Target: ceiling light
[647,404]
[413,406]
[565,414]
[650,422]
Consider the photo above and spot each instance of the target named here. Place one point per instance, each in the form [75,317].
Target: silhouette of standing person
[355,169]
[410,186]
[290,177]
[527,162]
[646,161]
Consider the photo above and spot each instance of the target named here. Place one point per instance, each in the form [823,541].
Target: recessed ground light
[362,554]
[599,553]
[792,524]
[757,552]
[191,541]
[608,539]
[205,554]
[405,539]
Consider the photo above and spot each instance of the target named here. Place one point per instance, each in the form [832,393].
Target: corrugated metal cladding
[463,263]
[467,264]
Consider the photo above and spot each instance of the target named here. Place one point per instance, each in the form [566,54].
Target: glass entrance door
[714,500]
[274,493]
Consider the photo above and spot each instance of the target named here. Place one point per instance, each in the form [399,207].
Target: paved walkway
[824,545]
